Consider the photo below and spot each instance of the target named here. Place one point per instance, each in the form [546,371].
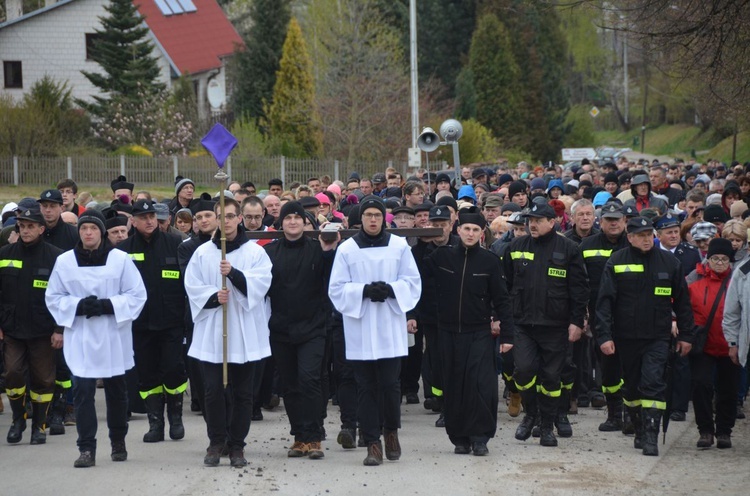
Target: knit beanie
[92,217]
[516,187]
[292,207]
[181,183]
[720,246]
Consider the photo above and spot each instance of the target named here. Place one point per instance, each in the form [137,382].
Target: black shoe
[564,429]
[85,460]
[598,400]
[38,435]
[611,425]
[272,403]
[15,433]
[412,399]
[213,455]
[627,425]
[462,449]
[174,415]
[677,416]
[155,408]
[440,422]
[237,458]
[547,437]
[723,441]
[523,432]
[479,448]
[583,401]
[429,403]
[740,412]
[257,415]
[705,441]
[119,453]
[361,440]
[195,407]
[347,438]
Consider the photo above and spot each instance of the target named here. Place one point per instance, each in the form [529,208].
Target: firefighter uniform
[638,293]
[596,250]
[27,326]
[158,332]
[547,281]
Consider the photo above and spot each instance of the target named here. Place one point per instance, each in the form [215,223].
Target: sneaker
[70,415]
[346,439]
[412,399]
[119,453]
[85,460]
[480,449]
[706,440]
[514,404]
[315,451]
[723,441]
[237,457]
[298,450]
[677,416]
[392,446]
[374,454]
[213,455]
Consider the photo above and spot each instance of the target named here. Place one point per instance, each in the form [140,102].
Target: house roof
[195,41]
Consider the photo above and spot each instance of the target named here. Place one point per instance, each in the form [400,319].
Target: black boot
[18,407]
[635,418]
[627,424]
[38,436]
[651,423]
[614,414]
[57,412]
[530,408]
[155,410]
[546,436]
[564,429]
[174,414]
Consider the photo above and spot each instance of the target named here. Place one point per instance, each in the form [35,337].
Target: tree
[124,52]
[255,68]
[292,117]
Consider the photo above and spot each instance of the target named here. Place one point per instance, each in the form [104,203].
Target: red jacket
[703,286]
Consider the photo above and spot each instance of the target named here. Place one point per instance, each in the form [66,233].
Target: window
[91,39]
[12,74]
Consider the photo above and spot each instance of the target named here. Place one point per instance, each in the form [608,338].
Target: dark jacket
[24,272]
[471,290]
[573,235]
[637,295]
[157,262]
[63,235]
[299,289]
[688,255]
[596,250]
[547,281]
[427,308]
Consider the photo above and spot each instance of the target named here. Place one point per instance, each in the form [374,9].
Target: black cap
[510,207]
[424,207]
[442,178]
[121,183]
[378,177]
[448,201]
[309,202]
[292,207]
[115,220]
[440,213]
[630,211]
[51,195]
[639,224]
[478,172]
[668,220]
[612,211]
[143,207]
[202,204]
[402,209]
[715,213]
[26,203]
[471,215]
[371,201]
[720,246]
[541,210]
[393,192]
[32,214]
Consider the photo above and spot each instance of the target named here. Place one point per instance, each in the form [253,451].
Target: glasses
[719,260]
[229,216]
[253,217]
[376,215]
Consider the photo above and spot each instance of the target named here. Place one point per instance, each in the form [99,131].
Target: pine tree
[255,67]
[125,54]
[293,118]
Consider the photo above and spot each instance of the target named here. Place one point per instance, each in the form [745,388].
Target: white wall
[54,44]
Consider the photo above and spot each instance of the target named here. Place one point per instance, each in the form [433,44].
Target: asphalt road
[589,462]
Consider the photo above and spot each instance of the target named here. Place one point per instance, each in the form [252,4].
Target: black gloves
[91,306]
[378,291]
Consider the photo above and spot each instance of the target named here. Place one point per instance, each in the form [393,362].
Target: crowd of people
[617,284]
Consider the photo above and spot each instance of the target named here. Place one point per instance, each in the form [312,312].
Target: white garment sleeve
[257,279]
[132,296]
[408,286]
[345,295]
[60,303]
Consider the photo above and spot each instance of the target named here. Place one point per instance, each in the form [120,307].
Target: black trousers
[228,417]
[343,373]
[411,368]
[116,397]
[193,368]
[378,380]
[37,358]
[265,377]
[470,386]
[611,373]
[432,369]
[326,376]
[158,360]
[719,373]
[643,366]
[681,384]
[299,367]
[540,354]
[509,366]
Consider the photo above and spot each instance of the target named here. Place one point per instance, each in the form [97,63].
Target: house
[190,37]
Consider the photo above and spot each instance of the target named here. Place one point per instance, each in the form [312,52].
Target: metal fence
[160,171]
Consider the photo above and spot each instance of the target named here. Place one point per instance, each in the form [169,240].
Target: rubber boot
[38,420]
[651,423]
[627,425]
[635,417]
[564,429]
[614,414]
[546,436]
[57,412]
[523,432]
[155,410]
[174,414]
[18,407]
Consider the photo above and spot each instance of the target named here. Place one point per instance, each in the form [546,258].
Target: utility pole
[414,78]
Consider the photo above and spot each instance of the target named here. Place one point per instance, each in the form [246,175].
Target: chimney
[13,9]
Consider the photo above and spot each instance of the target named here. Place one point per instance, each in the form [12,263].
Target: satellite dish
[216,96]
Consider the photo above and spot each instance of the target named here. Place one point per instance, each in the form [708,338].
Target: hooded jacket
[703,286]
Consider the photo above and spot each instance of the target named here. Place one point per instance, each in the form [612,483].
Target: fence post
[336,170]
[122,165]
[175,166]
[229,167]
[15,170]
[70,168]
[283,169]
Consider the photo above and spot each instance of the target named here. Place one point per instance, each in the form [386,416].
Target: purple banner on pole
[219,142]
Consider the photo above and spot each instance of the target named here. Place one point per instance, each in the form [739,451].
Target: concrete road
[589,462]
